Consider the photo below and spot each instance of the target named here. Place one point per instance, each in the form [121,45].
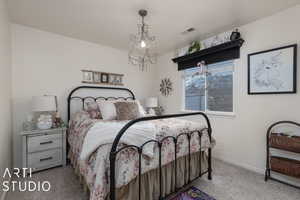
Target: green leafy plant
[194,47]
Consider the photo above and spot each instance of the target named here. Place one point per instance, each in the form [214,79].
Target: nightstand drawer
[44,142]
[45,159]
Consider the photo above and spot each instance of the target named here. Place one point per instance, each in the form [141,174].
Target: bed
[150,157]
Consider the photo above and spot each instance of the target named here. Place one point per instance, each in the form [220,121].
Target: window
[211,91]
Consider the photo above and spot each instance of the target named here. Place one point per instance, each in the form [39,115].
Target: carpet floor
[229,183]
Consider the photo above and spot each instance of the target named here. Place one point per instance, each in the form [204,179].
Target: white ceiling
[110,22]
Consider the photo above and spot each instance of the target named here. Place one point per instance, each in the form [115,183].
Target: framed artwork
[116,79]
[97,77]
[273,71]
[104,77]
[111,78]
[87,76]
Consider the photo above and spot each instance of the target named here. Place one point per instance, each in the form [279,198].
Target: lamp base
[44,122]
[151,111]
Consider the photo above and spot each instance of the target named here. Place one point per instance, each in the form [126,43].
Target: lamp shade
[151,102]
[43,103]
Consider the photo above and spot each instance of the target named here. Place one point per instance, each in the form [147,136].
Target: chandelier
[140,45]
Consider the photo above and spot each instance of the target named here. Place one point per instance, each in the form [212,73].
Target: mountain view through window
[210,91]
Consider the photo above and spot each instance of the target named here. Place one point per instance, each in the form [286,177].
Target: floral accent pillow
[93,110]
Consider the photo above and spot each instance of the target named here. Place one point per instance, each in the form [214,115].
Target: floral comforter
[95,169]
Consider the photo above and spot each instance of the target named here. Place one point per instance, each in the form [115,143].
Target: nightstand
[43,149]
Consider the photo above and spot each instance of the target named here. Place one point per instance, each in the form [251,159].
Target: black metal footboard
[115,151]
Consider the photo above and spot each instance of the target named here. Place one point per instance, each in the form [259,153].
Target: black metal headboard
[71,97]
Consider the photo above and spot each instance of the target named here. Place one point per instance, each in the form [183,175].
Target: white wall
[241,139]
[46,63]
[5,90]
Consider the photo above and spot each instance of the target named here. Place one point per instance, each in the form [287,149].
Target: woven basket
[285,143]
[285,166]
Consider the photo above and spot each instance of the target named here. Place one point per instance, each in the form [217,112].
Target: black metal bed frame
[268,169]
[114,150]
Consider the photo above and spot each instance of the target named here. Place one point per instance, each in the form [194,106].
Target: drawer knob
[49,142]
[45,159]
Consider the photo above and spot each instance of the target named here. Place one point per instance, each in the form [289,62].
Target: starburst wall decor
[166,87]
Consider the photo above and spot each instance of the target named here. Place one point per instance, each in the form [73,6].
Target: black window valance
[226,51]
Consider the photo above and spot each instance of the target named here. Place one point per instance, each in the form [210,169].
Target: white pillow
[141,109]
[107,109]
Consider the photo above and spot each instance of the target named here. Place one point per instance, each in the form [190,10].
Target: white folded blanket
[104,132]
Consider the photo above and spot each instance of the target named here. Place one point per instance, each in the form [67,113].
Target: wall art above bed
[103,78]
[273,71]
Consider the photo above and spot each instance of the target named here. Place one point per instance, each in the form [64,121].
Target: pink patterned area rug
[193,193]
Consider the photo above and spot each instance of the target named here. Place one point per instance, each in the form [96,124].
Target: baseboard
[4,193]
[244,166]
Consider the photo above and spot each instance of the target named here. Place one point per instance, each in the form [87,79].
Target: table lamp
[151,103]
[44,105]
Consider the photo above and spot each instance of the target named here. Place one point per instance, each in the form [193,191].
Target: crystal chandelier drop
[140,45]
